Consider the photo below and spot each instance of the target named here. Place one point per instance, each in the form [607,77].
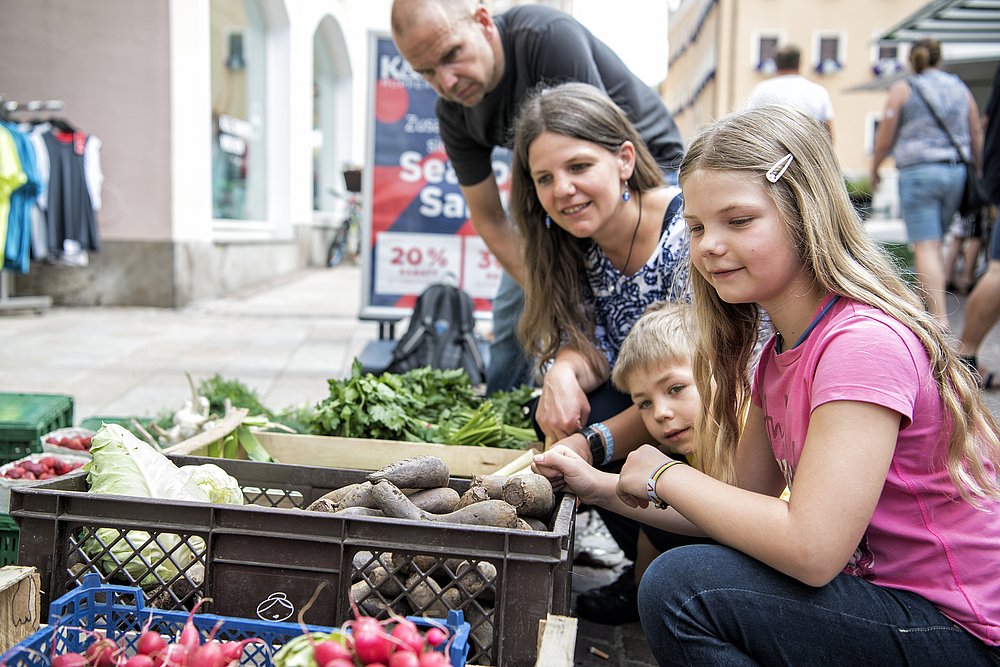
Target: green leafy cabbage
[124,465]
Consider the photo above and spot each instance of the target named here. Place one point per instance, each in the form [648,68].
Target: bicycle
[346,243]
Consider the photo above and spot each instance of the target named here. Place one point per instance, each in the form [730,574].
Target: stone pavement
[283,340]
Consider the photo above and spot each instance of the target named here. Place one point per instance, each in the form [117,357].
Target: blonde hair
[665,333]
[813,204]
[555,314]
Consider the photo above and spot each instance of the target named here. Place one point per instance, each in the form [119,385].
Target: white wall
[636,31]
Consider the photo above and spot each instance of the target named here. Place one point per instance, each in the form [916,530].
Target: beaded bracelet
[651,484]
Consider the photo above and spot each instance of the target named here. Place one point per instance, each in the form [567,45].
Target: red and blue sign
[420,228]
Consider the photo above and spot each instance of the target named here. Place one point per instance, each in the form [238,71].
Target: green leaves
[422,405]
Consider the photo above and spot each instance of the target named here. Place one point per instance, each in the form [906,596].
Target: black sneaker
[614,604]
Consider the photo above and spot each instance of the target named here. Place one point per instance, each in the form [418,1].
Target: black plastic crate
[25,418]
[265,560]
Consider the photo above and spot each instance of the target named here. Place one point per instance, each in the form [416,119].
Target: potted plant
[859,189]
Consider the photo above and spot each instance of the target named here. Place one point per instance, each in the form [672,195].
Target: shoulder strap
[468,324]
[675,204]
[423,312]
[930,107]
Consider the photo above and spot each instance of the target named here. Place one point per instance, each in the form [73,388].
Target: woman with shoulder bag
[931,127]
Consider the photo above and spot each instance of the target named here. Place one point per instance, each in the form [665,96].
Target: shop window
[829,54]
[887,60]
[238,105]
[766,48]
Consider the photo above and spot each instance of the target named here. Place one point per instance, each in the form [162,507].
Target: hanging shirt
[12,177]
[39,219]
[70,210]
[17,252]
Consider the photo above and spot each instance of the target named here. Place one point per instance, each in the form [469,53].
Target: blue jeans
[509,368]
[713,605]
[929,195]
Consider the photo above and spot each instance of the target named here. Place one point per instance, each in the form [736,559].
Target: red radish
[65,659]
[408,633]
[436,636]
[69,660]
[101,653]
[328,650]
[434,659]
[172,655]
[150,641]
[208,654]
[340,662]
[404,659]
[189,637]
[371,643]
[233,650]
[139,660]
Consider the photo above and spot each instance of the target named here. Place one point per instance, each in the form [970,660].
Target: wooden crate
[20,604]
[363,454]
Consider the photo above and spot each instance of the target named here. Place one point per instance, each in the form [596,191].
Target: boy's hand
[564,467]
[639,465]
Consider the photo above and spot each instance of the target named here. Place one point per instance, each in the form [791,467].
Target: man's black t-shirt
[545,45]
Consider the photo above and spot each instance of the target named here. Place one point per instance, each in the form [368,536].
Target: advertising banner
[420,231]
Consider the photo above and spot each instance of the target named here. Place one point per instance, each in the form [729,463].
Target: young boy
[654,368]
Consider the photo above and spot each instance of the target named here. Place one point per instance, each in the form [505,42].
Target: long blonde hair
[555,314]
[812,201]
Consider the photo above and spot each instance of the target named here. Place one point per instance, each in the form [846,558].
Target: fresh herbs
[422,405]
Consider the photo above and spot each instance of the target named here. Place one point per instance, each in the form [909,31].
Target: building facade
[225,128]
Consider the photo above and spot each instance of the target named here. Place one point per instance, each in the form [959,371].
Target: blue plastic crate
[120,612]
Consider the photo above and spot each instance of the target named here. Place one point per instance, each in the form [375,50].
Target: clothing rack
[9,302]
[10,106]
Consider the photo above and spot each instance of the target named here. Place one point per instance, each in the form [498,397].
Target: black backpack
[440,334]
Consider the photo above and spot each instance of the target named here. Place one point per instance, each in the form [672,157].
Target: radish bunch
[152,650]
[367,643]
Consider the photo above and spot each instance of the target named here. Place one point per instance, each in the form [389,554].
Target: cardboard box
[363,454]
[20,604]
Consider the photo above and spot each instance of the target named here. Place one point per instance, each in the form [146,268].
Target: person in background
[604,238]
[481,66]
[788,86]
[982,310]
[931,171]
[962,245]
[886,548]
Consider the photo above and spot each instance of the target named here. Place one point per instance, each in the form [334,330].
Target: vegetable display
[421,405]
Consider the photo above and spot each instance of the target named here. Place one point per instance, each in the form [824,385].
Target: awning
[949,21]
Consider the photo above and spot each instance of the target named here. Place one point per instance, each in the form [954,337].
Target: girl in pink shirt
[888,548]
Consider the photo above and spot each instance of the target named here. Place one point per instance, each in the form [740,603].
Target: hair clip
[779,168]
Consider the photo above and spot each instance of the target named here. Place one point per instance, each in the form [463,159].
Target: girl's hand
[564,466]
[563,407]
[639,465]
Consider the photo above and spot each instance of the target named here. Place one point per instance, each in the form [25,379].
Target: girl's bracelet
[651,484]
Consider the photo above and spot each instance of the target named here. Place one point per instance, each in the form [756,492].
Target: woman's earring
[625,195]
[548,222]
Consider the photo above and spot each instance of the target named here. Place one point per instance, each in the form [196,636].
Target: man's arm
[491,223]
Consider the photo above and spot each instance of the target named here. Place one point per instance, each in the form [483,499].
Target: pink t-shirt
[922,537]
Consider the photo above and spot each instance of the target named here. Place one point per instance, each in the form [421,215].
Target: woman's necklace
[631,244]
